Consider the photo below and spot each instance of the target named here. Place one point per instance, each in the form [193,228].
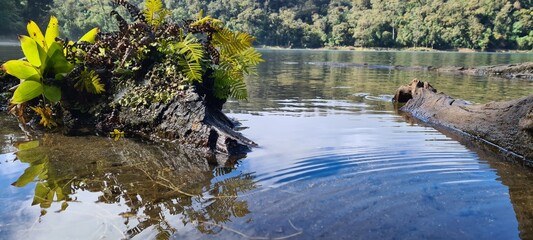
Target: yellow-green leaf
[59,193]
[64,205]
[34,53]
[90,36]
[31,155]
[35,33]
[29,175]
[27,90]
[52,31]
[22,70]
[42,193]
[28,145]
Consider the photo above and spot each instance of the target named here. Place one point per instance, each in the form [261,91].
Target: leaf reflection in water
[153,181]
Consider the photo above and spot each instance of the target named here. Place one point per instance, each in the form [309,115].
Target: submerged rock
[506,125]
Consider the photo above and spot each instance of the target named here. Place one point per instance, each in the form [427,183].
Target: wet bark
[506,125]
[188,119]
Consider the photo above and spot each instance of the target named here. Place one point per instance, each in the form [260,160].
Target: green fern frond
[155,13]
[226,86]
[213,22]
[252,56]
[191,48]
[89,81]
[232,42]
[238,90]
[192,53]
[191,69]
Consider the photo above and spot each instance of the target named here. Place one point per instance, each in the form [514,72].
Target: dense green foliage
[483,24]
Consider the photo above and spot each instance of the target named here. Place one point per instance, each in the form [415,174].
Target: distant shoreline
[412,49]
[9,43]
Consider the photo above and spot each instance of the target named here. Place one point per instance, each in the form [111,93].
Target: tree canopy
[440,24]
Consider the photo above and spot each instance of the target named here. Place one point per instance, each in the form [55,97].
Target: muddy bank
[506,125]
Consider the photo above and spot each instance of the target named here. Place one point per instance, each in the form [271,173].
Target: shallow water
[335,161]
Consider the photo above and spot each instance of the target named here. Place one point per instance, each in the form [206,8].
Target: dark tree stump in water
[508,125]
[188,119]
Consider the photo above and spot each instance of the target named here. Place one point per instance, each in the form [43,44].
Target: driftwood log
[522,70]
[506,125]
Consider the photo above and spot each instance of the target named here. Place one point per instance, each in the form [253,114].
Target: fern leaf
[222,84]
[47,116]
[252,56]
[226,86]
[155,13]
[191,48]
[191,69]
[90,82]
[207,20]
[232,42]
[238,90]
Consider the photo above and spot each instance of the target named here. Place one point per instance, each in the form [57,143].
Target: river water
[335,161]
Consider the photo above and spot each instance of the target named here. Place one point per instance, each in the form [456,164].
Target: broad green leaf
[52,31]
[29,175]
[35,33]
[54,47]
[42,192]
[90,36]
[26,91]
[57,59]
[59,193]
[64,206]
[34,53]
[31,155]
[22,70]
[28,145]
[52,93]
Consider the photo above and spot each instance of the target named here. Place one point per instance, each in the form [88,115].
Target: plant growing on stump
[41,72]
[147,61]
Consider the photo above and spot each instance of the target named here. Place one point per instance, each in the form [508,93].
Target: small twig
[300,231]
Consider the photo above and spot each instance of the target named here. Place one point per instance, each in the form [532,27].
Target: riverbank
[409,49]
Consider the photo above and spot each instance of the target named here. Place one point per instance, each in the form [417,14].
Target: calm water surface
[335,161]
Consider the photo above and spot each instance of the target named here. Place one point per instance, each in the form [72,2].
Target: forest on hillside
[439,24]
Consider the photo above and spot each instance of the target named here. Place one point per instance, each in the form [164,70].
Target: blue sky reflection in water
[335,162]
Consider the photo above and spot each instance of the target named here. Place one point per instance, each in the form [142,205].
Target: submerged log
[507,125]
[522,70]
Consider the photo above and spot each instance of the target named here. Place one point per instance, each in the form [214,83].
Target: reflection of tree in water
[151,180]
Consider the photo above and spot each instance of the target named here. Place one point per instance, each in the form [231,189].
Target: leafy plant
[191,54]
[44,59]
[47,116]
[237,58]
[44,67]
[89,81]
[48,189]
[155,13]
